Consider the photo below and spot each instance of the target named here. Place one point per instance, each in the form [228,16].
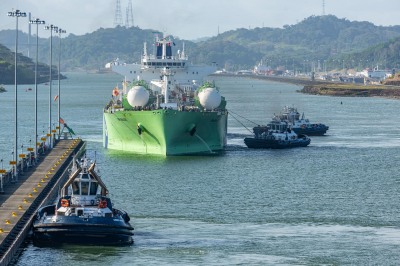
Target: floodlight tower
[17,13]
[59,31]
[37,22]
[51,28]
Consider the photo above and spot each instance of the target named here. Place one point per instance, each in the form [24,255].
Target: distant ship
[163,110]
[302,125]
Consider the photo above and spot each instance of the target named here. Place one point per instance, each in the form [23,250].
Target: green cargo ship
[165,132]
[164,111]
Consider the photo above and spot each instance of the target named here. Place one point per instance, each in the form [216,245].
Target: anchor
[192,129]
[192,132]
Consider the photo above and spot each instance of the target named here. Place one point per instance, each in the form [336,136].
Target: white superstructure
[152,65]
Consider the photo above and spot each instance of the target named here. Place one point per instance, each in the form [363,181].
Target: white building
[375,74]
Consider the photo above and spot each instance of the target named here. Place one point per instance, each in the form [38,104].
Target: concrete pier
[36,186]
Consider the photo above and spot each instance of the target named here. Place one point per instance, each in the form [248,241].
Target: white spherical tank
[210,98]
[137,96]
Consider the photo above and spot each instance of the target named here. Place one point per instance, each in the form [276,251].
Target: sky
[190,19]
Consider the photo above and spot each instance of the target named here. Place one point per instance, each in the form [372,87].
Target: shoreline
[326,88]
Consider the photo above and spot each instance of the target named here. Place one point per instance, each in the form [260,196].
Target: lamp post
[17,13]
[14,165]
[51,28]
[2,172]
[22,159]
[59,31]
[37,22]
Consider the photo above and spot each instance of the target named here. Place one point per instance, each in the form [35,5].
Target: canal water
[335,202]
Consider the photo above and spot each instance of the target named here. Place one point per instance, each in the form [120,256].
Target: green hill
[383,56]
[315,39]
[26,69]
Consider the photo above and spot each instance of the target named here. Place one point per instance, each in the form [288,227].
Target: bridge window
[93,188]
[85,188]
[75,188]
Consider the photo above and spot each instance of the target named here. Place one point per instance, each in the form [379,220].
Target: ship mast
[164,48]
[145,49]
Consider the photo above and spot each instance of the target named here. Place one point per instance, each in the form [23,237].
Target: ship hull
[165,132]
[49,229]
[75,230]
[259,143]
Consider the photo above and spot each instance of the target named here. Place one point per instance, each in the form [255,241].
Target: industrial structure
[118,21]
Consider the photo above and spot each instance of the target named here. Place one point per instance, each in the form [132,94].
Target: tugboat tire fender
[103,204]
[126,217]
[64,203]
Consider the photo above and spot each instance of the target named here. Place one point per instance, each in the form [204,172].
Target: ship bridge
[163,55]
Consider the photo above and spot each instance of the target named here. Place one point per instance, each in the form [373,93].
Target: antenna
[118,14]
[323,7]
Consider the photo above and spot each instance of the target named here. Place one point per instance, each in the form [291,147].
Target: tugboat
[302,125]
[276,135]
[83,213]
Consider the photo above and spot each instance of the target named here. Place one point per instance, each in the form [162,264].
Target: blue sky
[194,19]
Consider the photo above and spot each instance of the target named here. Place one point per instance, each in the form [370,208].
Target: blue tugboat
[276,135]
[302,125]
[83,213]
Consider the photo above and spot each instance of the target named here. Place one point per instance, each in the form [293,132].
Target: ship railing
[26,160]
[8,176]
[174,58]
